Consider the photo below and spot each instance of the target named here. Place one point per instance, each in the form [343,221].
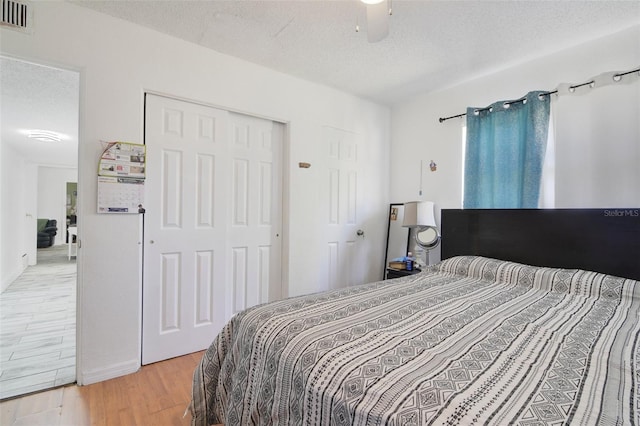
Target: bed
[472,339]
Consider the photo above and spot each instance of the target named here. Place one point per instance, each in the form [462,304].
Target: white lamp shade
[419,214]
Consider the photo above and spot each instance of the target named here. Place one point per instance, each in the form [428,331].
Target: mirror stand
[427,238]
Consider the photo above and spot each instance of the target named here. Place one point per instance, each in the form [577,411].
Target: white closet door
[189,258]
[255,205]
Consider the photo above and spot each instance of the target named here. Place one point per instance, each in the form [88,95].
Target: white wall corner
[109,372]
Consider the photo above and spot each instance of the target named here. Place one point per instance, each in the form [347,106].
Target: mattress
[470,340]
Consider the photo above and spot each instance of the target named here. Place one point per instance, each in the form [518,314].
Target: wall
[597,135]
[52,196]
[29,192]
[417,134]
[118,62]
[18,217]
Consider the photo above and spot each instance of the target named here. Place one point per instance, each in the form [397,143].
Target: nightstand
[397,273]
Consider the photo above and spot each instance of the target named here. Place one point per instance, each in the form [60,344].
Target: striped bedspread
[471,340]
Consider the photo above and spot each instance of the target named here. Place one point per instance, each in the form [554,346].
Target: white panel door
[185,227]
[255,222]
[194,176]
[342,201]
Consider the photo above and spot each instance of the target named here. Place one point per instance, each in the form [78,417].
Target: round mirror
[427,237]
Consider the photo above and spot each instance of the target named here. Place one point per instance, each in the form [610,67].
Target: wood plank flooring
[38,326]
[156,395]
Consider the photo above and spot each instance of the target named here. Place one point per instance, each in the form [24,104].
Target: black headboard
[600,240]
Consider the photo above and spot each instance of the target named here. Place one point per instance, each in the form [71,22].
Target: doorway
[39,154]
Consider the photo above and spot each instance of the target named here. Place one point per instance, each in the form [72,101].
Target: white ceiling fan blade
[377,21]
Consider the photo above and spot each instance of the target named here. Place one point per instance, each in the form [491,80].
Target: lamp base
[421,257]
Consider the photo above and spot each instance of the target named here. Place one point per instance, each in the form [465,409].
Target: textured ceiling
[35,97]
[431,44]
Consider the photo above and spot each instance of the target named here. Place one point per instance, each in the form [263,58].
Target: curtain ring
[572,89]
[617,77]
[490,109]
[506,105]
[592,84]
[541,96]
[524,102]
[476,112]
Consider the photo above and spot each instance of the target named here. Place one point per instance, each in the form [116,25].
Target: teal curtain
[505,151]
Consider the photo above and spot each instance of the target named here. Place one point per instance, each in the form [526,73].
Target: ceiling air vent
[16,15]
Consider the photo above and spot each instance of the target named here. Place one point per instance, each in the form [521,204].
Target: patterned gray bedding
[471,340]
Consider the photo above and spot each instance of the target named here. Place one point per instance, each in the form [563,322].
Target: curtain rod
[616,78]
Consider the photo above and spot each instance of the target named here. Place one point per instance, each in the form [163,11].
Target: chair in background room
[47,230]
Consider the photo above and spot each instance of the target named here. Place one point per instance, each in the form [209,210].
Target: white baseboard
[111,372]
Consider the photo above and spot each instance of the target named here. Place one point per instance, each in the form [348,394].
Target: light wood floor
[38,326]
[156,395]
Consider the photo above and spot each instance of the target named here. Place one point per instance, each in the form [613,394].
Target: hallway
[38,326]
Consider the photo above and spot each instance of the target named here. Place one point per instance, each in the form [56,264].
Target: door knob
[360,233]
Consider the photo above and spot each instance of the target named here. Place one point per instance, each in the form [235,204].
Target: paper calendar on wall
[121,173]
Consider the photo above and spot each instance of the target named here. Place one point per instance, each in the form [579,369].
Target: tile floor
[38,326]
